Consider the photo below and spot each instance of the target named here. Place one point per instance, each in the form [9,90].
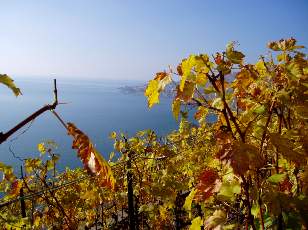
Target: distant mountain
[169,90]
[136,89]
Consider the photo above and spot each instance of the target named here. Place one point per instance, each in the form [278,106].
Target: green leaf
[229,190]
[9,82]
[255,210]
[259,109]
[235,57]
[276,178]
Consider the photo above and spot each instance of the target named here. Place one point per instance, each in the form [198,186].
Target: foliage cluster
[243,165]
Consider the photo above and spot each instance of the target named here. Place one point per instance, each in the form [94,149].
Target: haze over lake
[96,107]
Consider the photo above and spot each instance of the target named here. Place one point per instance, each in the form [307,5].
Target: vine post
[130,193]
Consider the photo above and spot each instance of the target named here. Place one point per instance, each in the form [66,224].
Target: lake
[96,107]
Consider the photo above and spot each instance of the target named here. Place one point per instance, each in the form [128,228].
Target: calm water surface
[95,107]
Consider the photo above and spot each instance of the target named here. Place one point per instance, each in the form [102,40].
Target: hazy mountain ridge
[139,89]
[168,91]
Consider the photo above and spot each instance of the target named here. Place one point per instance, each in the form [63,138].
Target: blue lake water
[97,108]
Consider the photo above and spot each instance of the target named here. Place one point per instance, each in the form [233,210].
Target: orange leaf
[15,187]
[90,157]
[187,93]
[208,180]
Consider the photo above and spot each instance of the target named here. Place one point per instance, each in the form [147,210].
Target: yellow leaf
[201,79]
[88,195]
[182,82]
[31,164]
[163,212]
[218,103]
[196,224]
[176,106]
[41,148]
[9,82]
[217,219]
[260,67]
[152,93]
[187,65]
[155,86]
[113,135]
[201,113]
[302,111]
[37,221]
[163,79]
[188,201]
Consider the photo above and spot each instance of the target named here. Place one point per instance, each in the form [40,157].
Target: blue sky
[134,39]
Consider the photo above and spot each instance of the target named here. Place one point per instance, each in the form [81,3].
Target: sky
[132,40]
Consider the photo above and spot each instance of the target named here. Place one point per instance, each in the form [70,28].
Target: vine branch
[5,136]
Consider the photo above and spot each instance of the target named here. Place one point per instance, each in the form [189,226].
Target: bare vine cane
[59,118]
[5,136]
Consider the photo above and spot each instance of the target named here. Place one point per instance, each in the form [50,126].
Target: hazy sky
[135,39]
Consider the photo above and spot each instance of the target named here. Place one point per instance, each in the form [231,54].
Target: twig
[266,125]
[222,82]
[59,118]
[59,206]
[14,139]
[5,136]
[247,201]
